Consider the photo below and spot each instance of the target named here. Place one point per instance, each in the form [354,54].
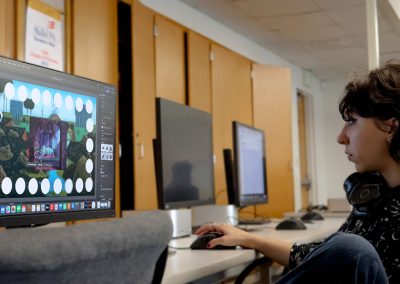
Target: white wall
[208,27]
[337,166]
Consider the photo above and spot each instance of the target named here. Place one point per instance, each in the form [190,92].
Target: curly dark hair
[376,95]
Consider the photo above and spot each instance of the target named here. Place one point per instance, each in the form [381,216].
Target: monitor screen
[185,156]
[57,135]
[249,165]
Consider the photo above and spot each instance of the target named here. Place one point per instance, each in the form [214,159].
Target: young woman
[366,248]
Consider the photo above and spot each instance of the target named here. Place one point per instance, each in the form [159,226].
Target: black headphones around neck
[365,192]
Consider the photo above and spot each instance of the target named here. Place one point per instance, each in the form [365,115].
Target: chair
[124,250]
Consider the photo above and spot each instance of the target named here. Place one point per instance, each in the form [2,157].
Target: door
[305,179]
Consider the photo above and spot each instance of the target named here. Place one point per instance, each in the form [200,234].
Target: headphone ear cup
[364,191]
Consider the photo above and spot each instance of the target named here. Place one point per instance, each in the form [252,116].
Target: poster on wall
[44,44]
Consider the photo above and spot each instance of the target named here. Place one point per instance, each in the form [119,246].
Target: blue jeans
[342,258]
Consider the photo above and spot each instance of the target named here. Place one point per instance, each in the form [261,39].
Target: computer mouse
[311,216]
[291,224]
[202,241]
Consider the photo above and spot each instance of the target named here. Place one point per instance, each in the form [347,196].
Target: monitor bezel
[24,220]
[28,220]
[258,198]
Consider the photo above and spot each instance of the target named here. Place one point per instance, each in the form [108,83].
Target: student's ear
[393,125]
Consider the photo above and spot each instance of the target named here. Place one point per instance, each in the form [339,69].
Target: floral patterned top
[381,229]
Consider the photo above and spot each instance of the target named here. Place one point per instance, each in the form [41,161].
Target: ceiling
[326,37]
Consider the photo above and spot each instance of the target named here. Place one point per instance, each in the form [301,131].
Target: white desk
[188,265]
[315,232]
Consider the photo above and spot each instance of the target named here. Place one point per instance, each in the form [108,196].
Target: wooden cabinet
[144,114]
[199,71]
[95,49]
[272,107]
[7,28]
[222,86]
[231,100]
[170,60]
[95,54]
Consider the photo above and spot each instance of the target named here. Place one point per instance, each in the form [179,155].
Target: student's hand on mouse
[231,236]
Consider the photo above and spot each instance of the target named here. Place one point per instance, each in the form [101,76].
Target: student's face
[366,143]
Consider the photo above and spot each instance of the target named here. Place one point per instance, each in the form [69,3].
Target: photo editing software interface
[250,157]
[57,136]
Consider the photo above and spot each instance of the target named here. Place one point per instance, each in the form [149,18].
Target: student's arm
[276,250]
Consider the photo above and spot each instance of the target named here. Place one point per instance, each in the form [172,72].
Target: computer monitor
[246,172]
[183,156]
[57,154]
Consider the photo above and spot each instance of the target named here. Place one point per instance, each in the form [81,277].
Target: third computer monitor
[249,165]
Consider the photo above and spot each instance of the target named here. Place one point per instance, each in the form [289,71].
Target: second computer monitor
[183,156]
[250,180]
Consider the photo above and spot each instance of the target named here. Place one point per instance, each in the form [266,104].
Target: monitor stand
[214,213]
[181,222]
[25,226]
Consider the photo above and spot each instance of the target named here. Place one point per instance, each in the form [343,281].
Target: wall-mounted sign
[44,43]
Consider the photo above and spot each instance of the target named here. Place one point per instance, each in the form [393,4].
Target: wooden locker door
[144,112]
[272,103]
[95,54]
[199,72]
[231,100]
[19,34]
[170,60]
[7,28]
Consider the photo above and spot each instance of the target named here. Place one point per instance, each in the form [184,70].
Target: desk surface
[188,265]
